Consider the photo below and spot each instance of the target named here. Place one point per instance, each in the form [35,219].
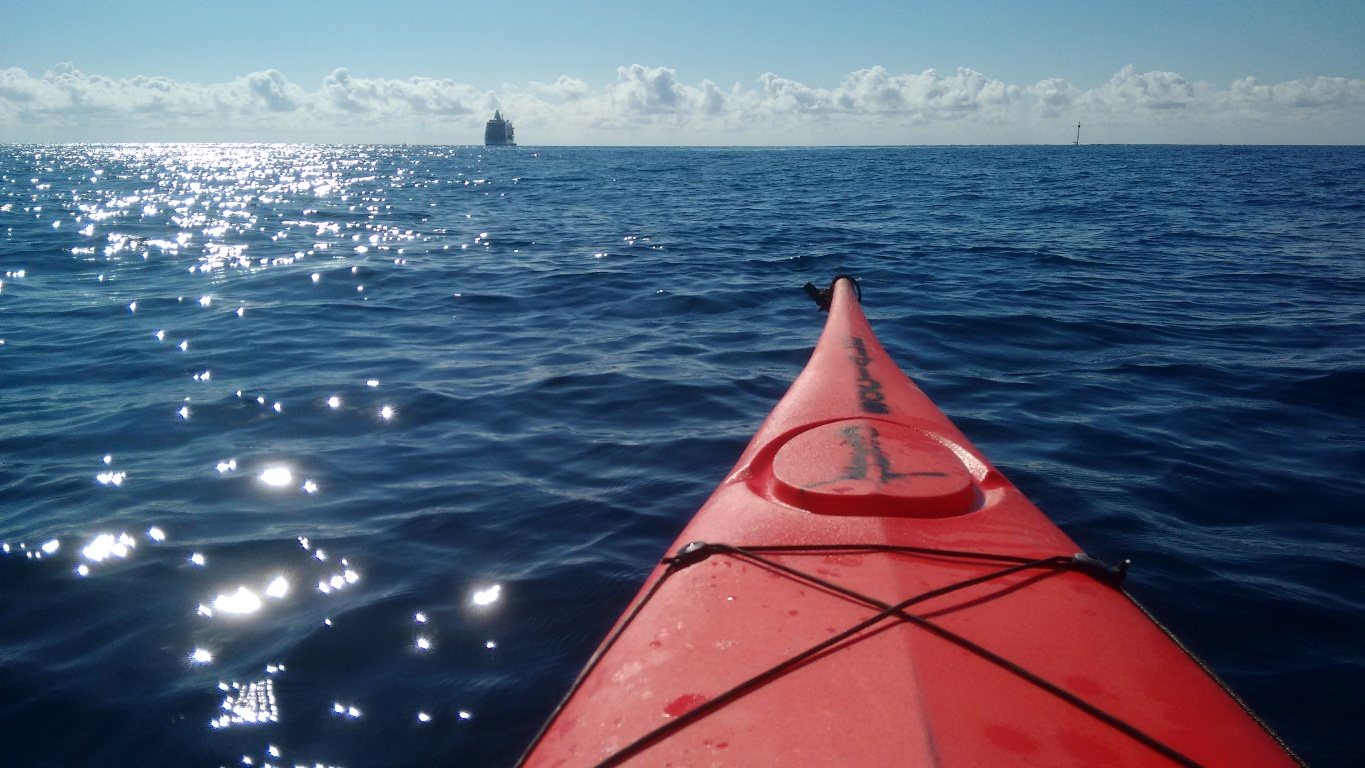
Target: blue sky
[707,72]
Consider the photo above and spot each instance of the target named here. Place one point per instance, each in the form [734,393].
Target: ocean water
[349,455]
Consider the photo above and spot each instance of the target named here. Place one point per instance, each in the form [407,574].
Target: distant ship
[499,132]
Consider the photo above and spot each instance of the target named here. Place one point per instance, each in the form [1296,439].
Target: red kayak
[866,589]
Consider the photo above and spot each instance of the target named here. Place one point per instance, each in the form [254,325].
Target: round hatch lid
[867,467]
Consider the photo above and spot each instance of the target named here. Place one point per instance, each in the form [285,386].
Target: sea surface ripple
[349,455]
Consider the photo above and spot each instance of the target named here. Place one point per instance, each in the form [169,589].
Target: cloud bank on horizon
[652,106]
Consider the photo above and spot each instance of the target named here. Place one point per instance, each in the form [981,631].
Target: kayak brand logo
[868,460]
[863,447]
[870,395]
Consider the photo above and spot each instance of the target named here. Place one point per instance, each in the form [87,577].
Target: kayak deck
[865,588]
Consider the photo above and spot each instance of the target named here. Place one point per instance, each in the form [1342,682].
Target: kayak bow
[865,588]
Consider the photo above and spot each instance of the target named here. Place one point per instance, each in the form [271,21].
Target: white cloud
[645,105]
[647,90]
[1128,91]
[565,87]
[398,98]
[66,91]
[642,92]
[875,91]
[1055,96]
[271,90]
[1317,93]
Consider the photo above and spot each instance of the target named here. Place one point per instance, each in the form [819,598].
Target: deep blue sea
[349,455]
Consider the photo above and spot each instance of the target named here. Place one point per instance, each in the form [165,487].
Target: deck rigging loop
[698,551]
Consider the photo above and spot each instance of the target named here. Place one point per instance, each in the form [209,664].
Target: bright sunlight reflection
[250,704]
[106,546]
[277,588]
[241,601]
[277,476]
